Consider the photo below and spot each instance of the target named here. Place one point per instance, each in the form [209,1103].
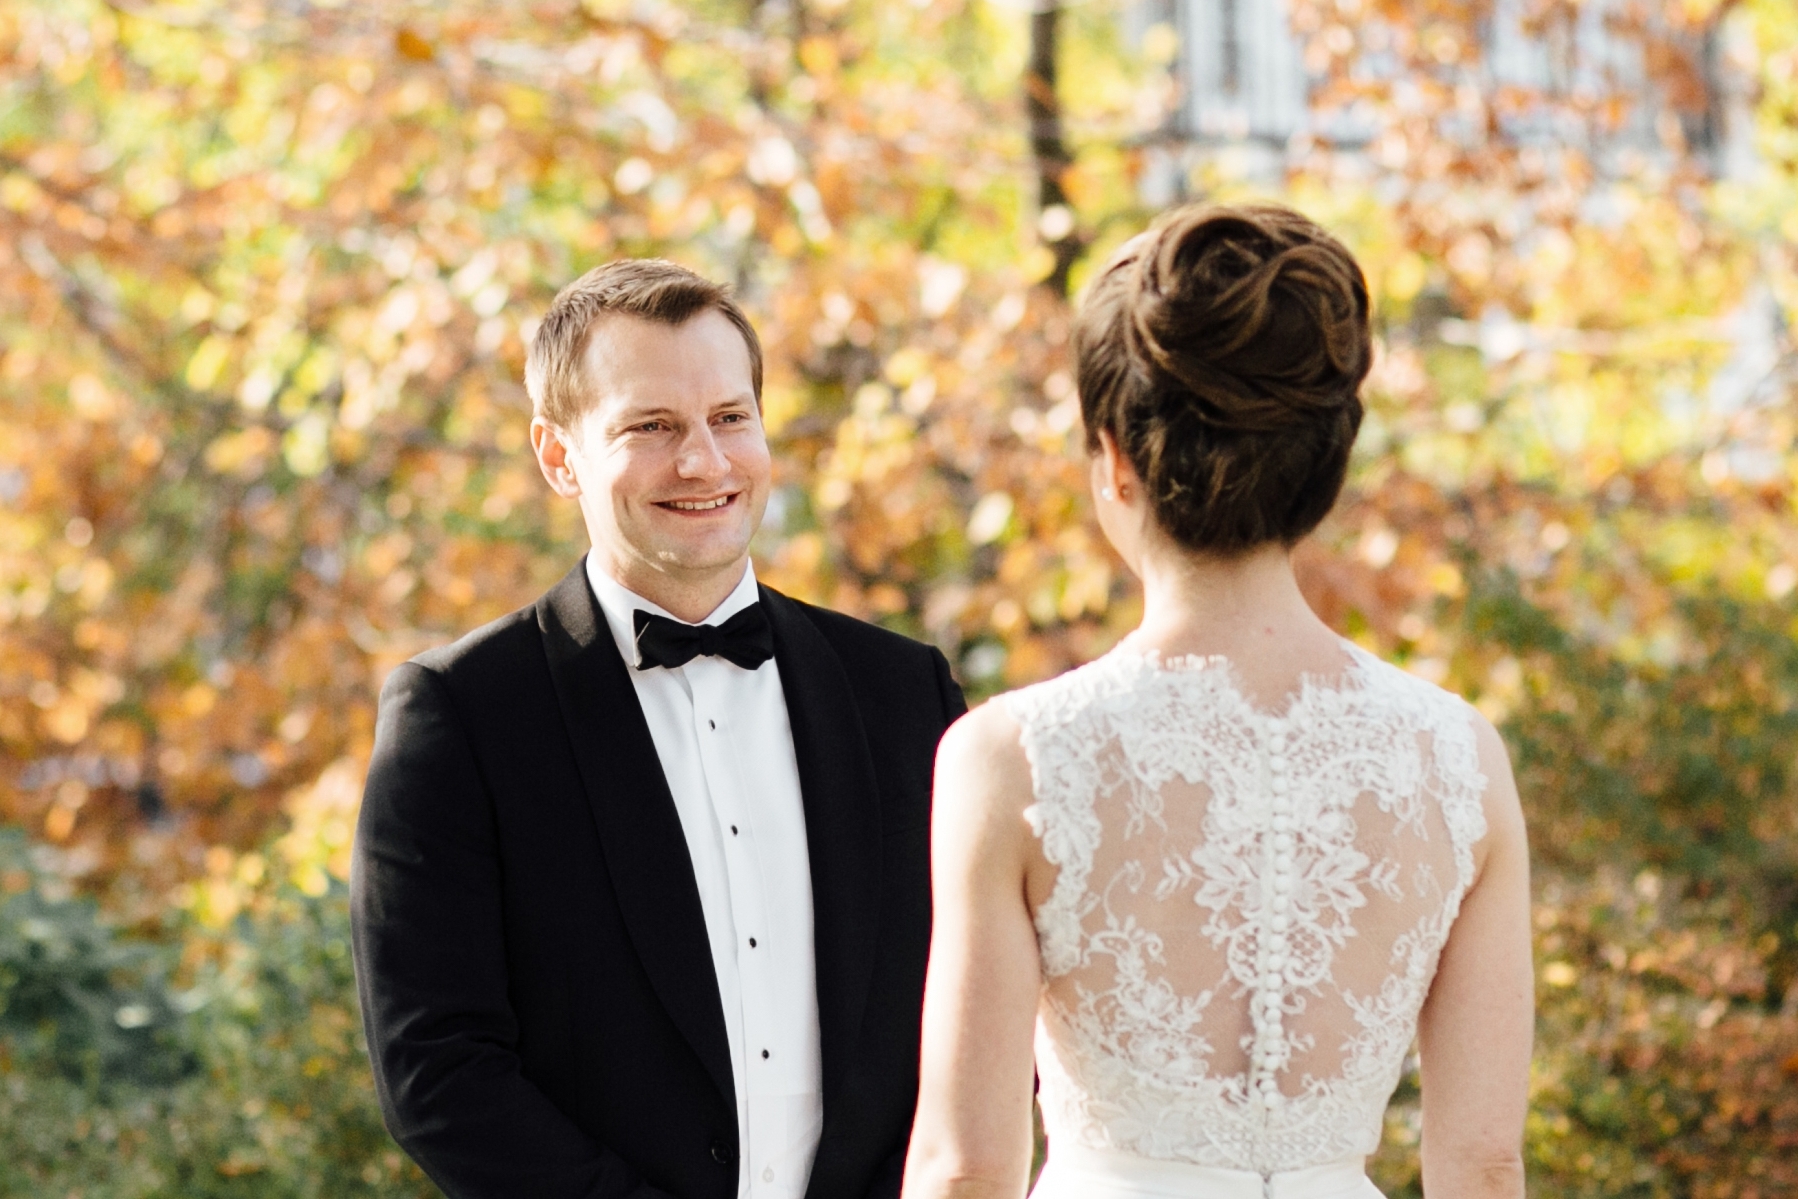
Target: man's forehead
[624,332]
[629,353]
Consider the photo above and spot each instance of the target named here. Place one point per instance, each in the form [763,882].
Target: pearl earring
[1107,493]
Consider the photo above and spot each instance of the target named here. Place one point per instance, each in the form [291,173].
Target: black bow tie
[744,639]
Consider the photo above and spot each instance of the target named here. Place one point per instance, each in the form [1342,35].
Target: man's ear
[551,446]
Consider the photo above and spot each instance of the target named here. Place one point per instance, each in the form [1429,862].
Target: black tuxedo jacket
[531,956]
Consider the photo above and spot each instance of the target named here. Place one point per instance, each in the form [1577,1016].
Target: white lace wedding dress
[1247,916]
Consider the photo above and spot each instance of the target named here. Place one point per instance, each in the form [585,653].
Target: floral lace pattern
[1249,907]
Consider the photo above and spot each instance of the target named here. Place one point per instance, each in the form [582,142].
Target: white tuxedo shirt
[726,747]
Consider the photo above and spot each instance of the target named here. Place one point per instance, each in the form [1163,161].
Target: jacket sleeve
[955,705]
[888,1177]
[431,972]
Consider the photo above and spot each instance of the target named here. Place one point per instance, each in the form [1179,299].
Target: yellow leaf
[306,447]
[209,360]
[1405,278]
[780,404]
[1038,263]
[818,55]
[67,722]
[198,699]
[59,823]
[1445,579]
[903,368]
[20,194]
[240,453]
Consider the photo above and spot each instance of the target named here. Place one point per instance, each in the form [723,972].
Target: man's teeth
[699,505]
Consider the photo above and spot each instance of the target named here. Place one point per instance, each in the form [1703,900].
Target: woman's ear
[1118,501]
[1100,468]
[1117,478]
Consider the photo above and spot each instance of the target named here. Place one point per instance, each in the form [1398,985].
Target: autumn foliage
[267,272]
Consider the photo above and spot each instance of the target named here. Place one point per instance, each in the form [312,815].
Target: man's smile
[708,505]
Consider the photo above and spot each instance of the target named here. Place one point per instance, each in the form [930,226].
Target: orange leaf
[412,46]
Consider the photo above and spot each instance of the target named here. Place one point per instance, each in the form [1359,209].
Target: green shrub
[252,1082]
[76,999]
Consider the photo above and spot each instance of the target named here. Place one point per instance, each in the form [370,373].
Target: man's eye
[651,426]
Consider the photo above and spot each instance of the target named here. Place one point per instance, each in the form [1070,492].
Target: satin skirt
[1076,1173]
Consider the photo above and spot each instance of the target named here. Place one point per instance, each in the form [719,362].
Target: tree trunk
[1047,147]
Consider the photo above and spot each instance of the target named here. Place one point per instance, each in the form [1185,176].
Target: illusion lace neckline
[1350,676]
[1249,903]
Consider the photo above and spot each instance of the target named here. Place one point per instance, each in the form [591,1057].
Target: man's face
[672,460]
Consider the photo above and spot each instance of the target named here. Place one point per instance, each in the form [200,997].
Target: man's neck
[688,596]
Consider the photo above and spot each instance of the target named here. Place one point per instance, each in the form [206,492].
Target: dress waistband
[1074,1170]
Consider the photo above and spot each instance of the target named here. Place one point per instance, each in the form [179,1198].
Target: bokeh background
[267,273]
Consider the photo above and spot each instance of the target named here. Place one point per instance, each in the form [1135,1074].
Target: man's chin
[696,562]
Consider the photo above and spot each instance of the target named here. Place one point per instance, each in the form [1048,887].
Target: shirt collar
[619,602]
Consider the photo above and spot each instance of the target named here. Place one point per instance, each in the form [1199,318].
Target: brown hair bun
[1224,352]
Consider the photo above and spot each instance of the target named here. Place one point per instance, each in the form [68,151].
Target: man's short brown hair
[650,289]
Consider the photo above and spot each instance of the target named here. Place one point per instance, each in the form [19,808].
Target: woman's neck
[1248,609]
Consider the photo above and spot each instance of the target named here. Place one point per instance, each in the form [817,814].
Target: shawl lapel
[639,828]
[842,828]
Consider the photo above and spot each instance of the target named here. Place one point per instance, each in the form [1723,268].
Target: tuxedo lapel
[639,828]
[842,828]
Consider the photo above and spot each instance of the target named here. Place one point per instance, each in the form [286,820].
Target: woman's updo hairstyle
[1224,352]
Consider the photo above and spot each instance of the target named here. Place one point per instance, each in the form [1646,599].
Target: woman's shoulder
[1014,736]
[1066,697]
[1407,689]
[1474,766]
[986,728]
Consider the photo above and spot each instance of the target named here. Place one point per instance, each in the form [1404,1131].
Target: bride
[1231,870]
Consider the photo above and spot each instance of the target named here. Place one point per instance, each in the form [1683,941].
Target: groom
[641,898]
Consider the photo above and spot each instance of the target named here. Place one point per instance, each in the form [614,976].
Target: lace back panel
[1248,909]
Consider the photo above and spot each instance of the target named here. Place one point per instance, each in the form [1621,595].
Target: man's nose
[699,456]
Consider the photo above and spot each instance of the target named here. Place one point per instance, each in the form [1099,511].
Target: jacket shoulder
[497,645]
[857,639]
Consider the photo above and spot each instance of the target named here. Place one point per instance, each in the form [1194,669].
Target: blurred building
[1630,91]
[1625,86]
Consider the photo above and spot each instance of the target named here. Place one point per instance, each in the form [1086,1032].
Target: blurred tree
[268,273]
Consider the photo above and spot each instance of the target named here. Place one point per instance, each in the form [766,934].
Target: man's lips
[709,504]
